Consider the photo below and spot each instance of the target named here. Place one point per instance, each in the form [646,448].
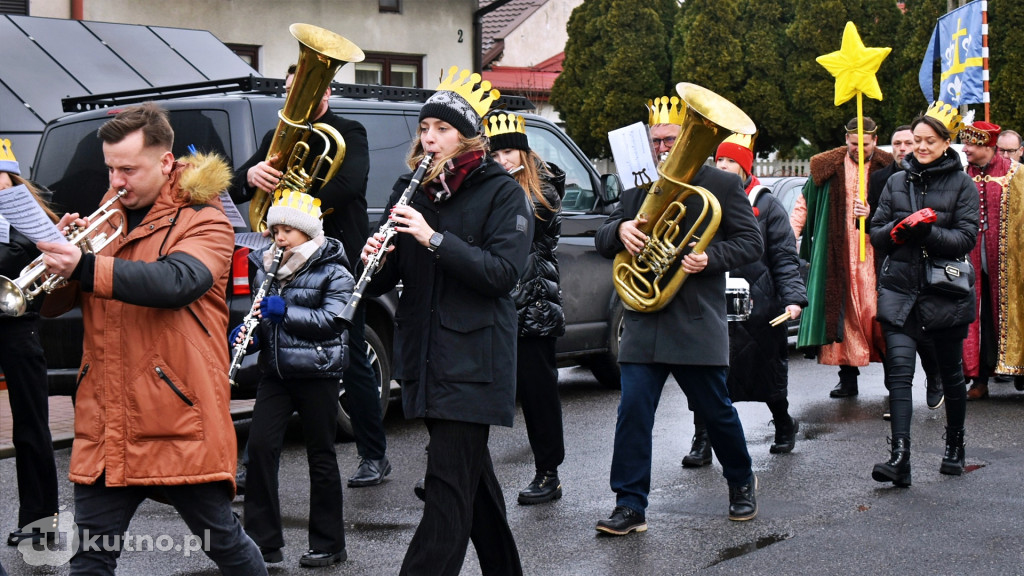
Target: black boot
[545,487]
[953,458]
[897,469]
[847,382]
[785,437]
[700,450]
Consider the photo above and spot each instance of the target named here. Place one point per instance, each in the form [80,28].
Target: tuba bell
[321,54]
[648,281]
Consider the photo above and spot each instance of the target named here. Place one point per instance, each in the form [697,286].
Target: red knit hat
[733,148]
[980,134]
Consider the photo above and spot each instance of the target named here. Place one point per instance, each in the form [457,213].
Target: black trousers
[24,366]
[103,513]
[316,401]
[901,346]
[537,388]
[363,395]
[463,502]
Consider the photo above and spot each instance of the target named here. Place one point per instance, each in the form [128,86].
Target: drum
[737,299]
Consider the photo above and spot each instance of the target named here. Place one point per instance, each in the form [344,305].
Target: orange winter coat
[152,406]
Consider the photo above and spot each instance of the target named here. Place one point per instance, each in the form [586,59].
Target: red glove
[917,225]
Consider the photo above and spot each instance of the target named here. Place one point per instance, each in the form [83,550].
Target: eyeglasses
[1009,150]
[666,141]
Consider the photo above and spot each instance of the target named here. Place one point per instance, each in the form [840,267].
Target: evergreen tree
[907,102]
[879,23]
[817,29]
[1006,56]
[766,51]
[616,59]
[713,58]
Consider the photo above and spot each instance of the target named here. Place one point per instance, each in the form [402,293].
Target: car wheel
[381,364]
[606,366]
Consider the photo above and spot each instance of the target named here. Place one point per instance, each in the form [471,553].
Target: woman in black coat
[24,365]
[462,244]
[758,351]
[910,316]
[538,299]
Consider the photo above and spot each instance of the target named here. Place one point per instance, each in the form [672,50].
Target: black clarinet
[251,321]
[387,229]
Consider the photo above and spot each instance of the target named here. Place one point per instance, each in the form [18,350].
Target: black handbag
[947,276]
[952,277]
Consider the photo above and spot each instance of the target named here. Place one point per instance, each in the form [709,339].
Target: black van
[231,117]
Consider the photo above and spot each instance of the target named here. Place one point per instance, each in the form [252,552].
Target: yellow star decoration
[854,66]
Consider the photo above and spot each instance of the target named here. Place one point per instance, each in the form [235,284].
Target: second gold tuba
[648,281]
[321,54]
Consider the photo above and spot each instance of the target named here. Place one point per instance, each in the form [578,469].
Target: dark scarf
[455,172]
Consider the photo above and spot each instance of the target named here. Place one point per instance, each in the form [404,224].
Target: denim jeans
[707,395]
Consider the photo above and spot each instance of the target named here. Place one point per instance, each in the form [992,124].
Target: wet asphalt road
[820,512]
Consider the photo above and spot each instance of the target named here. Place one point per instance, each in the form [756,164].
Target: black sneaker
[622,521]
[933,393]
[743,501]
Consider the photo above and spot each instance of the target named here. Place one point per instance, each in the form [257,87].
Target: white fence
[780,168]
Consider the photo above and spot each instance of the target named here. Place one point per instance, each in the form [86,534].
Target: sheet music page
[252,240]
[634,160]
[231,211]
[19,207]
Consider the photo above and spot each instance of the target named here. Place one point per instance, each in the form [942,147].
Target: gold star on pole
[854,67]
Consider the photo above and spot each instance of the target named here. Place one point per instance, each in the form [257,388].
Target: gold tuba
[648,281]
[321,54]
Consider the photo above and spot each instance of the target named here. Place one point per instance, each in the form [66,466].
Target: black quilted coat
[538,295]
[759,352]
[944,187]
[309,342]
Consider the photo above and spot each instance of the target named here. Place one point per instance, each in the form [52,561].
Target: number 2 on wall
[460,35]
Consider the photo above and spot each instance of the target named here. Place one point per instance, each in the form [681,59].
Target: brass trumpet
[15,295]
[648,281]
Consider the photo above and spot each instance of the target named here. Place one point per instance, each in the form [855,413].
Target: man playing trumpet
[151,413]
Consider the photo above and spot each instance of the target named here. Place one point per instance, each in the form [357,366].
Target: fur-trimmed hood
[830,162]
[201,177]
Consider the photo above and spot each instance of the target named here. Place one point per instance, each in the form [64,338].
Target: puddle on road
[737,551]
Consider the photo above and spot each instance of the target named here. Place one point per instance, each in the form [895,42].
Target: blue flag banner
[957,41]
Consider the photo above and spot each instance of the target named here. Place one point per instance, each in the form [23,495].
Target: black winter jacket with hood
[944,187]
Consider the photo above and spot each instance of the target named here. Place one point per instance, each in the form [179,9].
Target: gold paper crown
[6,152]
[949,115]
[302,202]
[745,140]
[480,99]
[498,124]
[665,110]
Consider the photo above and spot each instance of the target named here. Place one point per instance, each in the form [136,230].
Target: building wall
[424,28]
[541,36]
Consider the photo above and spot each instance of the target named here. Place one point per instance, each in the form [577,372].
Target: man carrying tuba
[688,336]
[343,200]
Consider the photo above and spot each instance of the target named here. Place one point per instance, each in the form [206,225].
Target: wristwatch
[435,241]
